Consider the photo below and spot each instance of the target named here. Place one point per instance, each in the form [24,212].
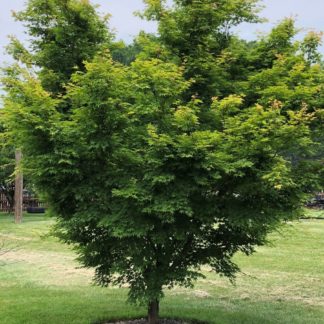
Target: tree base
[145,321]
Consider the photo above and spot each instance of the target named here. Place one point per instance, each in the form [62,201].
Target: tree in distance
[7,168]
[192,151]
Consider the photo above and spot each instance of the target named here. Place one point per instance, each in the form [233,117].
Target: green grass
[314,213]
[40,282]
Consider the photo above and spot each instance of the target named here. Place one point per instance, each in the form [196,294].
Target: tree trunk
[18,189]
[153,312]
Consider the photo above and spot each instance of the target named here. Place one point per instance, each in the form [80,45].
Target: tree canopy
[195,149]
[64,34]
[7,167]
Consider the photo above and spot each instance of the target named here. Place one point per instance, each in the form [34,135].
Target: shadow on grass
[142,320]
[26,216]
[98,305]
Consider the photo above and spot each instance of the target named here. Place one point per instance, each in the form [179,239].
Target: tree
[173,162]
[64,34]
[195,33]
[7,168]
[125,54]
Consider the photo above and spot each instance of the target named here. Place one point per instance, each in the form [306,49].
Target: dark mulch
[144,321]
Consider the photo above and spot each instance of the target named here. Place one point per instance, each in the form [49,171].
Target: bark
[153,312]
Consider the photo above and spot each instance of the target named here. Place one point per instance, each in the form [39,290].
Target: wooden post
[18,188]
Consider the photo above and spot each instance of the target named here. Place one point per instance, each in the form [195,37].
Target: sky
[309,15]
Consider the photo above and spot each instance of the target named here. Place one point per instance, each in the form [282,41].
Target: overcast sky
[309,14]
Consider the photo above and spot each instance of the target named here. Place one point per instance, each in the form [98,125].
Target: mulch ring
[144,321]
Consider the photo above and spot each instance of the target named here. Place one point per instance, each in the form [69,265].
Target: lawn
[40,282]
[314,213]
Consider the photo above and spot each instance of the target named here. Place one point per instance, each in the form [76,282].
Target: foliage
[125,54]
[196,33]
[64,34]
[7,168]
[175,161]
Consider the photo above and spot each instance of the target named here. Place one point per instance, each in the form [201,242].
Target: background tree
[151,174]
[7,168]
[125,54]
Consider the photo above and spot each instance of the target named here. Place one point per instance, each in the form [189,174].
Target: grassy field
[41,283]
[314,213]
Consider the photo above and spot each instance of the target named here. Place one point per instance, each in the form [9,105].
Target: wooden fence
[28,201]
[4,204]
